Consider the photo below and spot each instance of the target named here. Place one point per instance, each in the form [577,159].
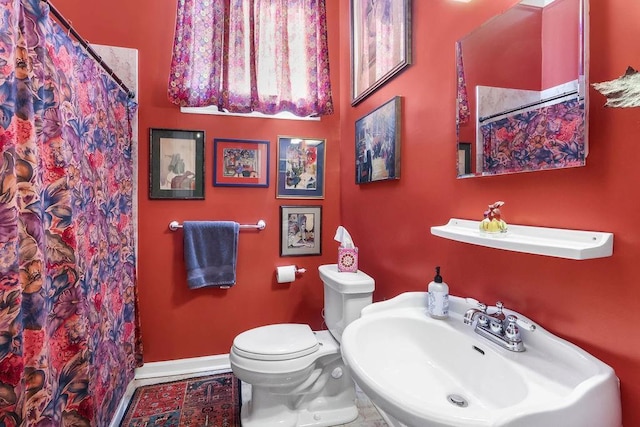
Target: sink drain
[458,400]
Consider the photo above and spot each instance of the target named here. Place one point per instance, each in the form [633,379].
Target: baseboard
[183,366]
[124,402]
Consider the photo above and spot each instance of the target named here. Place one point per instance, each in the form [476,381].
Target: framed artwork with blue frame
[240,163]
[301,166]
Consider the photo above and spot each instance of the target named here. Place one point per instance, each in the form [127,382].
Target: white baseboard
[124,402]
[189,366]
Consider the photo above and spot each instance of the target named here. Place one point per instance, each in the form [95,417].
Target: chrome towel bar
[260,225]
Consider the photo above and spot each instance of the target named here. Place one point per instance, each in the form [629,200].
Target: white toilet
[297,375]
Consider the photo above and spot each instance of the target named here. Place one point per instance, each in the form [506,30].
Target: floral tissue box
[348,260]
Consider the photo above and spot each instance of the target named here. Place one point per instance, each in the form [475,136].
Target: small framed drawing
[300,230]
[301,163]
[464,158]
[380,43]
[378,143]
[240,163]
[176,164]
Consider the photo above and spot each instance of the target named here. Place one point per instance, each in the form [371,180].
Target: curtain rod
[533,104]
[89,49]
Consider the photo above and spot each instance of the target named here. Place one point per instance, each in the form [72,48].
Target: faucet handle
[512,332]
[499,306]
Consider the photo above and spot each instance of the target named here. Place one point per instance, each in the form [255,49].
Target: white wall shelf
[555,242]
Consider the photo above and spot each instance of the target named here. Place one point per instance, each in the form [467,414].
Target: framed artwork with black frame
[378,143]
[300,230]
[301,165]
[176,164]
[240,163]
[380,44]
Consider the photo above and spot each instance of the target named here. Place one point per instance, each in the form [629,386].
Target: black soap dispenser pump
[438,297]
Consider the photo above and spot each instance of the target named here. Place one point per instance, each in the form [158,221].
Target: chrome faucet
[496,327]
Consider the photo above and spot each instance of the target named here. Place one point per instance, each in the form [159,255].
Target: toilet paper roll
[286,274]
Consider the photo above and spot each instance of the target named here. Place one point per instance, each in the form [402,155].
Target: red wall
[586,302]
[507,52]
[560,44]
[590,303]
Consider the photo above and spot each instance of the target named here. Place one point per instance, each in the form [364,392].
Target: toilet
[297,375]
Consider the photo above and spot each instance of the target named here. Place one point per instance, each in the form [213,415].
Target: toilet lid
[276,342]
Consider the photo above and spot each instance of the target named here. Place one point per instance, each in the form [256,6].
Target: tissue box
[348,260]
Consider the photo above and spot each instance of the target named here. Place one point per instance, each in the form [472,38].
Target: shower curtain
[69,338]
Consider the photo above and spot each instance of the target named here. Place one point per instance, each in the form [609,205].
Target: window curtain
[69,338]
[268,56]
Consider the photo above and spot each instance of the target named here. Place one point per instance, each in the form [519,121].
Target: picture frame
[176,164]
[464,158]
[240,163]
[380,44]
[301,168]
[300,230]
[377,143]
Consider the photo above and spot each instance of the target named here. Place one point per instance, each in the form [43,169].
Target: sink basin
[423,372]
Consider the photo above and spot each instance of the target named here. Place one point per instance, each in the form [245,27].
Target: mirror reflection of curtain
[544,138]
[67,264]
[267,56]
[462,99]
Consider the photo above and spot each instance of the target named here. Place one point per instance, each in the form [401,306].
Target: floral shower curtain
[68,326]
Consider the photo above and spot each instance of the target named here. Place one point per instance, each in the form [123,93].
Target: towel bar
[260,225]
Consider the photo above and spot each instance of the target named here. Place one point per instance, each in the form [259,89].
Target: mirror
[521,97]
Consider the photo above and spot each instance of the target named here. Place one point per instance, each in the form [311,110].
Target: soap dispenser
[438,297]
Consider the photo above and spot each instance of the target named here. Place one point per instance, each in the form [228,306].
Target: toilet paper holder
[288,273]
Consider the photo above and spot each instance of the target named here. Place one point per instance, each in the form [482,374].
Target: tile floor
[368,415]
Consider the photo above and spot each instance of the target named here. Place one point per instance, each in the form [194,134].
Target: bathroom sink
[423,372]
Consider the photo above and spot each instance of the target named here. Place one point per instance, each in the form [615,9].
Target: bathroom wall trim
[124,403]
[189,366]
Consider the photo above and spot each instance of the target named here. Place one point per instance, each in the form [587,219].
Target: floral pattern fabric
[546,138]
[462,98]
[268,56]
[68,326]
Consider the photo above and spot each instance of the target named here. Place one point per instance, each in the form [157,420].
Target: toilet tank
[345,295]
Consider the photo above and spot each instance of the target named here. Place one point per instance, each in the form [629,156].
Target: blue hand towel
[210,253]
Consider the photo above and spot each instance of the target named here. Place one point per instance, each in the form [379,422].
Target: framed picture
[378,143]
[301,230]
[240,163]
[301,164]
[380,43]
[176,164]
[464,158]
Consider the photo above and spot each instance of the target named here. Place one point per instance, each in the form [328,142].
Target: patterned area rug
[195,402]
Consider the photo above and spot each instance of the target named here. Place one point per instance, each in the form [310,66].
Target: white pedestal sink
[422,372]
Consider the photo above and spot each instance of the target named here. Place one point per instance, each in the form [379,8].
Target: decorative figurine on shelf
[492,222]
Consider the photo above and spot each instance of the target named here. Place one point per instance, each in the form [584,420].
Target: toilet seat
[284,341]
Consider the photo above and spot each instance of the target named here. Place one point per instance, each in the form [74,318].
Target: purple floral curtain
[268,56]
[545,138]
[68,326]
